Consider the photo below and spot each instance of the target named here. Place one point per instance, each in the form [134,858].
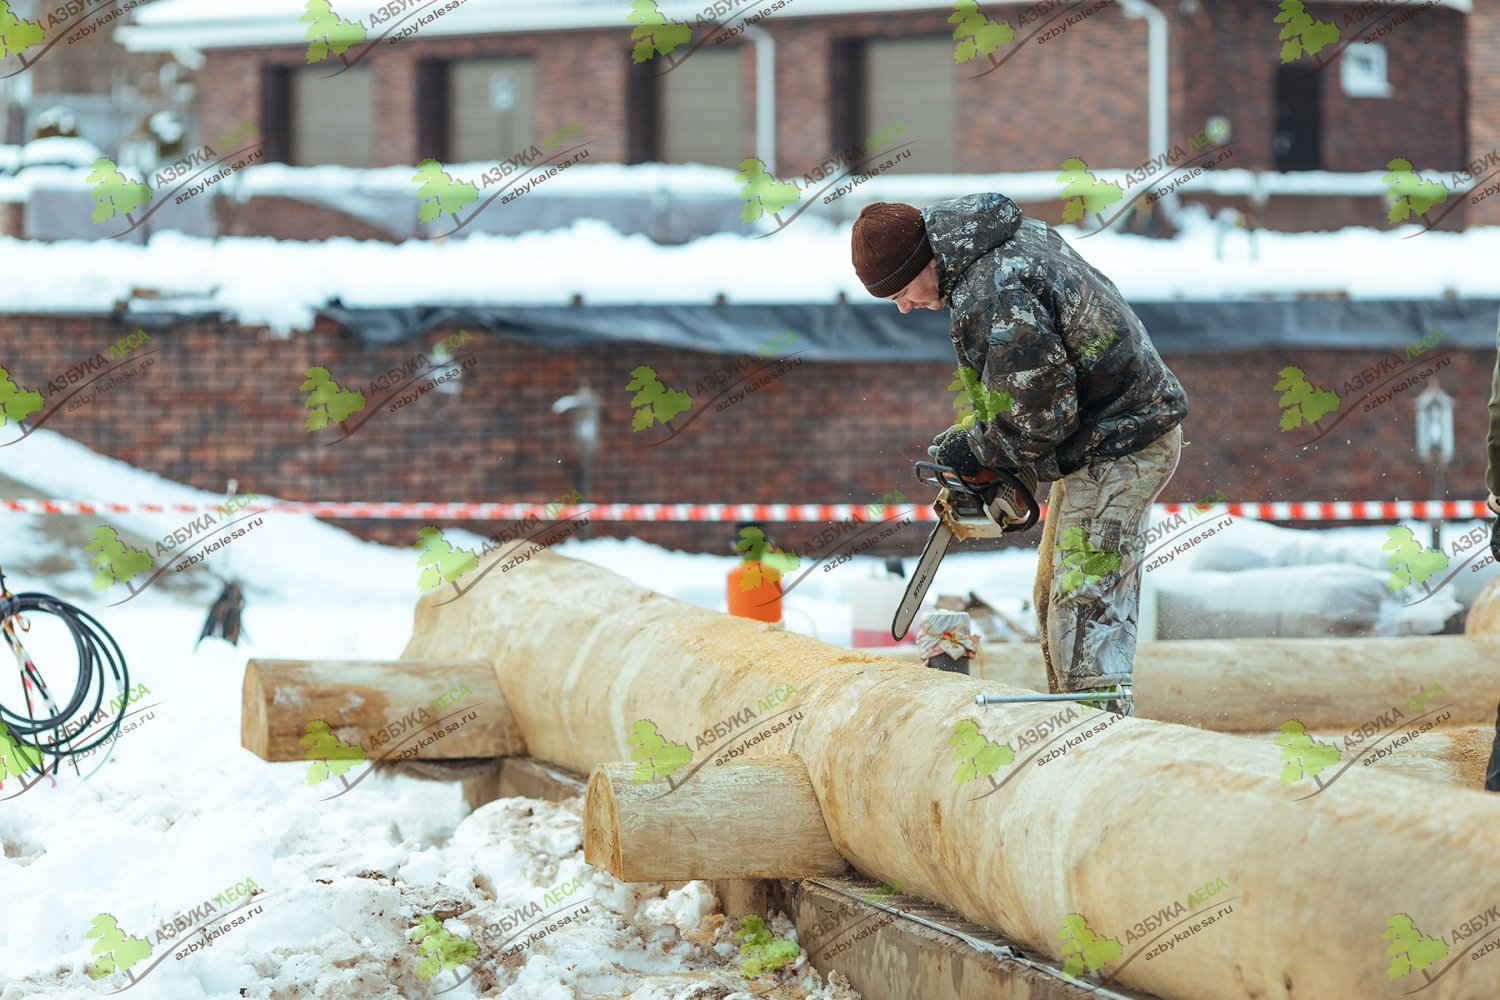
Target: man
[1085,403]
[1492,481]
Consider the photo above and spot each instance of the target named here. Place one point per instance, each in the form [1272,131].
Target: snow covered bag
[1320,601]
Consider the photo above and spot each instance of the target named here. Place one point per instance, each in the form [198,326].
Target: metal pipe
[765,94]
[1158,40]
[996,699]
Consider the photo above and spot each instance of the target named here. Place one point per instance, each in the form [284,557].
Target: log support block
[738,821]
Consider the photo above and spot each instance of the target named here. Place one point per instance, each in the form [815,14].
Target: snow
[59,151]
[179,813]
[281,284]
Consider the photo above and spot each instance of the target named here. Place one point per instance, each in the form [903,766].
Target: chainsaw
[965,510]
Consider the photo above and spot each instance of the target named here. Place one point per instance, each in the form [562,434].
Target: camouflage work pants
[1088,574]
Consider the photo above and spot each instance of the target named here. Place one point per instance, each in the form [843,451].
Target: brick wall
[222,402]
[1081,94]
[1483,103]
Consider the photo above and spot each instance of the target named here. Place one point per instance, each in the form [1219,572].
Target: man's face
[921,293]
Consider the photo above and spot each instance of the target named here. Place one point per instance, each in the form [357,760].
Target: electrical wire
[46,727]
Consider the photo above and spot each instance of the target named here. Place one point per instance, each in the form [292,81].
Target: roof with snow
[168,25]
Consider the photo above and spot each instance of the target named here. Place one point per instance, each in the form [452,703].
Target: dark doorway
[1299,118]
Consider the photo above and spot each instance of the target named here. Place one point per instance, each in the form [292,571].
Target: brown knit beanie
[890,247]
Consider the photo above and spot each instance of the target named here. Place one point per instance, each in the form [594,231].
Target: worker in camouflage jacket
[1067,389]
[1492,481]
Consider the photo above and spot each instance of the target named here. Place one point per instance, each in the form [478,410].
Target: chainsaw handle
[943,477]
[946,477]
[1033,509]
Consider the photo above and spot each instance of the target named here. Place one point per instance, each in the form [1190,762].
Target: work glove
[951,448]
[940,438]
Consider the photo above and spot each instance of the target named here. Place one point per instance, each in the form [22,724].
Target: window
[332,117]
[1299,118]
[701,111]
[911,82]
[1362,71]
[491,109]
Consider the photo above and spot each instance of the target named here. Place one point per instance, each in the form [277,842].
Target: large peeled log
[1105,830]
[1251,685]
[738,821]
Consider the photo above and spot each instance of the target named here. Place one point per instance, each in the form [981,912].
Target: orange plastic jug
[761,601]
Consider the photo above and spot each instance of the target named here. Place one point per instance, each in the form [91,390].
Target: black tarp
[878,332]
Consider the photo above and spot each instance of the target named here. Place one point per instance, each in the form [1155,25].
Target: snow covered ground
[179,813]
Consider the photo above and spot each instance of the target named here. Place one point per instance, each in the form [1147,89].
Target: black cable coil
[97,650]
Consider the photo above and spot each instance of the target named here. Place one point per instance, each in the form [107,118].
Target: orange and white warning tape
[1305,510]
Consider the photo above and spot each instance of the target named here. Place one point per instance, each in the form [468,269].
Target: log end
[1484,614]
[254,730]
[601,838]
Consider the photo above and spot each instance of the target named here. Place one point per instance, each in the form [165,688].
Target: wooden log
[1484,613]
[1130,821]
[387,708]
[738,821]
[1450,755]
[1251,685]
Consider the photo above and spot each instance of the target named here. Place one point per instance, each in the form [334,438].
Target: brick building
[1113,82]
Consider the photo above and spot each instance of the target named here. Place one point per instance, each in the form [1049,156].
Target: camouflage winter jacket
[1038,323]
